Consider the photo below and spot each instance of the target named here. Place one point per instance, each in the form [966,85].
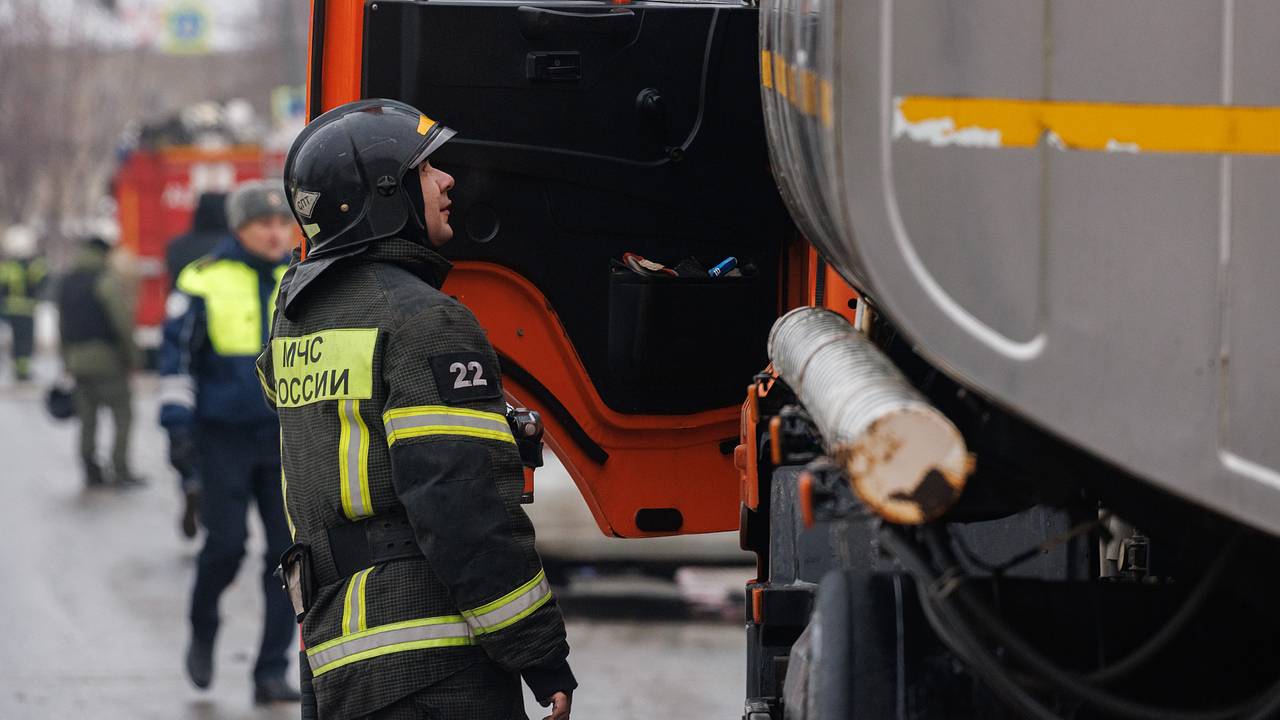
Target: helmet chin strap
[411,188]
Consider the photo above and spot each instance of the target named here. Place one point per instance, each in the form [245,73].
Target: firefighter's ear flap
[465,377]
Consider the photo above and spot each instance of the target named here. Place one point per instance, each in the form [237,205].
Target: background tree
[72,80]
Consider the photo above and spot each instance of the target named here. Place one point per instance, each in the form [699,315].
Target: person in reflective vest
[22,276]
[414,569]
[220,431]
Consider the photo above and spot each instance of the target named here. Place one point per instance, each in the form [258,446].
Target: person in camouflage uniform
[424,596]
[95,325]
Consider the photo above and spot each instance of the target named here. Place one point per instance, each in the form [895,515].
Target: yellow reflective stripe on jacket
[234,315]
[284,494]
[411,422]
[510,608]
[446,631]
[353,461]
[353,605]
[18,281]
[266,386]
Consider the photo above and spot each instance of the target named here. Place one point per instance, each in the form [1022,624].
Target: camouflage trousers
[91,395]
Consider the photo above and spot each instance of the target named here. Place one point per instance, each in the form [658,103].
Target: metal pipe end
[909,465]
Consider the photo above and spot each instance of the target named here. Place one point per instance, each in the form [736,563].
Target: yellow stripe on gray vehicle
[446,631]
[510,608]
[353,461]
[353,606]
[411,422]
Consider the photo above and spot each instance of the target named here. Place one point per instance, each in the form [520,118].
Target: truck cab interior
[587,131]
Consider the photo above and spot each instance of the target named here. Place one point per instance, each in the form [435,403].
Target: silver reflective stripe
[413,635]
[355,478]
[353,607]
[178,390]
[353,617]
[412,422]
[512,610]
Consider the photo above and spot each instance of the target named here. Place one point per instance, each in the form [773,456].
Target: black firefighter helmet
[352,179]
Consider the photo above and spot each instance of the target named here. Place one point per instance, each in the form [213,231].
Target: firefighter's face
[270,237]
[436,184]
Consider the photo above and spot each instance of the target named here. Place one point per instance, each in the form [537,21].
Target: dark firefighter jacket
[391,405]
[217,320]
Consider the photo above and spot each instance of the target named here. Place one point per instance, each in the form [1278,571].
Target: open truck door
[586,131]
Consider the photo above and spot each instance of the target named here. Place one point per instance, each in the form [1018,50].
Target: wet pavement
[93,591]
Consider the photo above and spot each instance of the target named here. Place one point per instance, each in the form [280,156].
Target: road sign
[186,28]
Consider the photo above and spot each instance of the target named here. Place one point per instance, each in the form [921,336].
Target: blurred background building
[83,82]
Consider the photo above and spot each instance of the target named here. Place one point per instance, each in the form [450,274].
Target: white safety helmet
[106,228]
[20,241]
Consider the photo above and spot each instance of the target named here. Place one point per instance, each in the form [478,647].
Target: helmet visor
[437,135]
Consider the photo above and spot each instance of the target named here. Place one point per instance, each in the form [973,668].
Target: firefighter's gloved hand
[182,452]
[560,703]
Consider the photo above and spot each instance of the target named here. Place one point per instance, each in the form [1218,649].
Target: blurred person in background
[22,277]
[218,317]
[208,230]
[95,316]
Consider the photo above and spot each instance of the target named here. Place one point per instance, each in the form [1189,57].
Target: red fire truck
[156,191]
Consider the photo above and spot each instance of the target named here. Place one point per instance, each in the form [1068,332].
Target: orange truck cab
[586,132]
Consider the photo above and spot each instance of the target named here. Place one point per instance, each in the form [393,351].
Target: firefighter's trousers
[23,328]
[240,465]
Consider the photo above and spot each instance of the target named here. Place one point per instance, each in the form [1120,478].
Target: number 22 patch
[465,376]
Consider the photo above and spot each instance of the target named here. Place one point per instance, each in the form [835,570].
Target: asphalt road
[93,592]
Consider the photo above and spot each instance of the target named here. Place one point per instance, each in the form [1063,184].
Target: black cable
[1157,642]
[959,637]
[1268,707]
[1153,645]
[956,631]
[1064,681]
[702,86]
[1031,552]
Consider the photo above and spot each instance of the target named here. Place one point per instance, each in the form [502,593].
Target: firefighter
[414,570]
[218,317]
[22,276]
[95,324]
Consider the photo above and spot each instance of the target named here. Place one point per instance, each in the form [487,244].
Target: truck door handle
[565,66]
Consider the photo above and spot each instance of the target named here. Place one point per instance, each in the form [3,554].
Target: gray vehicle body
[1121,295]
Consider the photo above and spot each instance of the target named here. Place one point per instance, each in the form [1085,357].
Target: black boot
[190,510]
[200,663]
[129,481]
[272,690]
[93,477]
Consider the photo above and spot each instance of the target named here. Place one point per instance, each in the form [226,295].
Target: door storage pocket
[694,340]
